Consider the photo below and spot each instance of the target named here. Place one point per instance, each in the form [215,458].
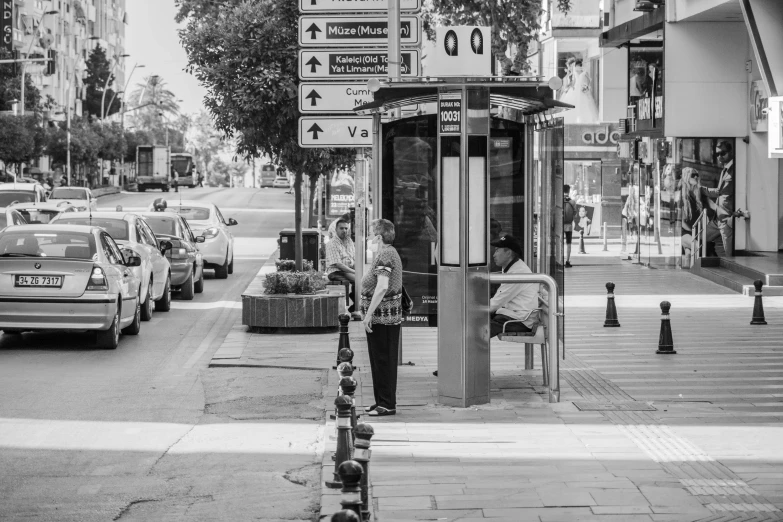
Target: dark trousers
[349,289]
[497,321]
[382,344]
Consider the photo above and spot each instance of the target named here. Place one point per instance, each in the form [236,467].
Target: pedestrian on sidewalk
[176,181]
[723,224]
[382,308]
[569,210]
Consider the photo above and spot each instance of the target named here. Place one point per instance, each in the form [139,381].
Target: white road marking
[189,305]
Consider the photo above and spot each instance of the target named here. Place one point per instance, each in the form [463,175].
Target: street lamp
[106,85]
[24,63]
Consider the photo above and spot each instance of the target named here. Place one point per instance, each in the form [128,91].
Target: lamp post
[106,86]
[23,63]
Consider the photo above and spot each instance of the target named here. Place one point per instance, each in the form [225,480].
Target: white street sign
[334,97]
[343,6]
[355,30]
[335,131]
[348,64]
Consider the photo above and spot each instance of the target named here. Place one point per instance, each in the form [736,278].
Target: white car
[11,193]
[10,216]
[42,213]
[79,197]
[281,182]
[130,231]
[206,220]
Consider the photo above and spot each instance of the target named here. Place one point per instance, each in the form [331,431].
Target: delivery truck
[153,167]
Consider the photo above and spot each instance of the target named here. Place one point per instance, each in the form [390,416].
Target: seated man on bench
[512,301]
[340,255]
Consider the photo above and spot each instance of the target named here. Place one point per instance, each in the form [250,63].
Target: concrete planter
[290,310]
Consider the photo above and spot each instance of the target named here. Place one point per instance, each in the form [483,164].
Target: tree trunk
[298,220]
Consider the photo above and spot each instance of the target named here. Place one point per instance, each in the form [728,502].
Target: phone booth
[481,158]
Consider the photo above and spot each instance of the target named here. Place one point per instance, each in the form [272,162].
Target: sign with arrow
[335,131]
[334,97]
[336,6]
[327,64]
[355,30]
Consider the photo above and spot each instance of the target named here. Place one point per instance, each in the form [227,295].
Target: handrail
[554,362]
[698,234]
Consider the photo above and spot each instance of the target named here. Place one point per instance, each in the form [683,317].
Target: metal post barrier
[606,241]
[552,315]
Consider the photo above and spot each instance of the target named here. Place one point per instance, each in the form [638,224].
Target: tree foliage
[515,24]
[11,83]
[154,109]
[99,75]
[21,138]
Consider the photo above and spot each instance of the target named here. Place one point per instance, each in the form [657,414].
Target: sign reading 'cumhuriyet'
[326,64]
[336,6]
[355,30]
[334,97]
[335,131]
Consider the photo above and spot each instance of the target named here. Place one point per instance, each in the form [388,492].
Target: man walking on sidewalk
[569,210]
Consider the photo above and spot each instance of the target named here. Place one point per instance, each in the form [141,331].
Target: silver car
[68,277]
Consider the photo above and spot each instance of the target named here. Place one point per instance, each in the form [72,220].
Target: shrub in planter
[289,265]
[294,282]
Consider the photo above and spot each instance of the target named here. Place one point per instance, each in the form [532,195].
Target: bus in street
[182,162]
[268,174]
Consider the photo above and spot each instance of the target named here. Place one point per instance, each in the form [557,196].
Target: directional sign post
[337,6]
[347,64]
[355,30]
[335,97]
[335,131]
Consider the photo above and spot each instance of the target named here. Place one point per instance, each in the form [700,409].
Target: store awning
[632,29]
[529,97]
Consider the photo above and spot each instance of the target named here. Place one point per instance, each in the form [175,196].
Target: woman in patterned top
[382,308]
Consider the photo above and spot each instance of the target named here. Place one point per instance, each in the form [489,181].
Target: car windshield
[117,228]
[68,193]
[162,225]
[74,245]
[192,213]
[37,216]
[9,197]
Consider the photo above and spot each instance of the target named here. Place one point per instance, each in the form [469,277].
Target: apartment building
[71,29]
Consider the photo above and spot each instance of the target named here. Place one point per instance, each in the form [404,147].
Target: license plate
[39,281]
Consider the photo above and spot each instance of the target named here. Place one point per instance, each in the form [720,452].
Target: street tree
[11,86]
[245,53]
[155,110]
[99,76]
[22,139]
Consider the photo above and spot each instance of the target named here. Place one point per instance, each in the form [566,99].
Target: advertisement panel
[645,86]
[7,25]
[580,86]
[341,187]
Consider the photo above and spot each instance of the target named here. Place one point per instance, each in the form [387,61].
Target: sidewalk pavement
[637,436]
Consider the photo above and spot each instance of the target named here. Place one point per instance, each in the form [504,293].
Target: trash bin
[310,240]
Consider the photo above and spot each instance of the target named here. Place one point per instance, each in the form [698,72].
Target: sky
[151,39]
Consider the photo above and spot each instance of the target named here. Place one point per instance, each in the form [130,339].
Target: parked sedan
[79,197]
[18,192]
[206,220]
[10,216]
[66,277]
[281,182]
[187,263]
[43,213]
[130,231]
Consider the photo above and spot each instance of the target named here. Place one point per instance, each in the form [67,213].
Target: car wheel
[109,339]
[146,307]
[166,188]
[187,289]
[135,327]
[231,266]
[164,303]
[221,272]
[199,285]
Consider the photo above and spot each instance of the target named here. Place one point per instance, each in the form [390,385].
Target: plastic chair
[536,336]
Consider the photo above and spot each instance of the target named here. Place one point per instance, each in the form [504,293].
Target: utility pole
[68,136]
[394,55]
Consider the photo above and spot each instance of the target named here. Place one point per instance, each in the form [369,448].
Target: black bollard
[582,242]
[343,370]
[345,515]
[344,341]
[665,341]
[351,476]
[344,445]
[758,306]
[348,386]
[346,355]
[611,311]
[362,453]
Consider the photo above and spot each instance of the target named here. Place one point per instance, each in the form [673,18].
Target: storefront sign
[450,113]
[591,141]
[7,25]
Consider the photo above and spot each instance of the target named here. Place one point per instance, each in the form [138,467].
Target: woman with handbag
[381,305]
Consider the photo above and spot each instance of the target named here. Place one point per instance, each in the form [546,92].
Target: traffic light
[51,65]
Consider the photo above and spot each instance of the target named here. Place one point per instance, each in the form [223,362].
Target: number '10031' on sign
[450,113]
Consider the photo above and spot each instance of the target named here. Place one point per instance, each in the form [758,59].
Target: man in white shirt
[512,301]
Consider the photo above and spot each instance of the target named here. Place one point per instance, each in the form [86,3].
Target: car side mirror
[133,260]
[232,222]
[165,246]
[200,239]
